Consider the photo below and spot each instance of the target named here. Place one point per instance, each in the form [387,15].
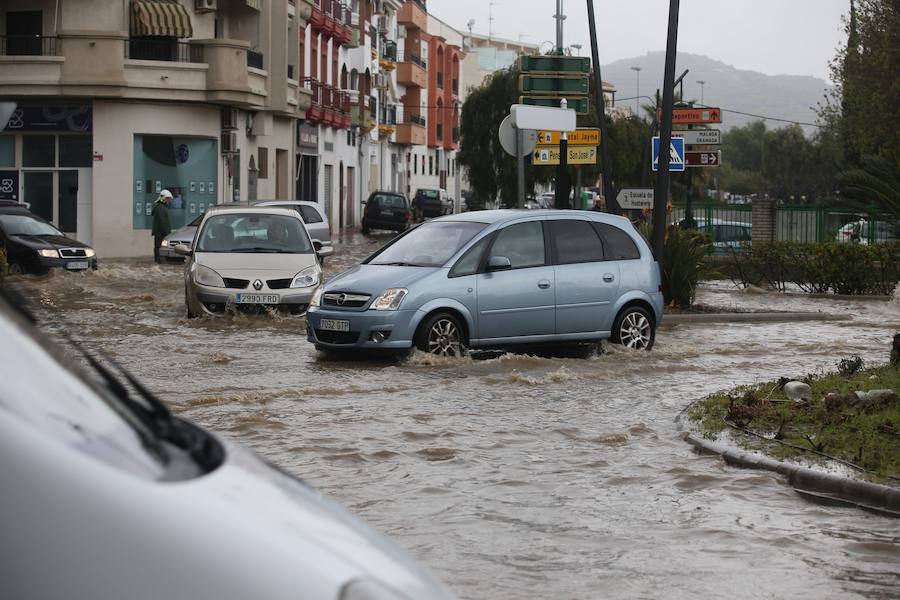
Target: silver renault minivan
[248,259]
[494,279]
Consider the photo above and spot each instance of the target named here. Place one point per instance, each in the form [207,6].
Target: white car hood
[246,264]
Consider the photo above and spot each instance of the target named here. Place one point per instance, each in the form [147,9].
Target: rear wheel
[634,328]
[442,335]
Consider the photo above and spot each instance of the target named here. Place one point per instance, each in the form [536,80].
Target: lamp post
[637,101]
[702,83]
[577,48]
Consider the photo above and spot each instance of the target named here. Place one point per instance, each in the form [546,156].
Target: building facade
[118,100]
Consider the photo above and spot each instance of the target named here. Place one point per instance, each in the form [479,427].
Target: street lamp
[637,108]
[702,83]
[577,48]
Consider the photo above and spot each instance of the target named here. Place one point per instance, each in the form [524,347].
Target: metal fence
[163,49]
[28,45]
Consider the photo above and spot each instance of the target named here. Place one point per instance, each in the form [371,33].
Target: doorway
[23,33]
[62,198]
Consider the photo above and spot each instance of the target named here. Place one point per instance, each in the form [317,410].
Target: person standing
[161,227]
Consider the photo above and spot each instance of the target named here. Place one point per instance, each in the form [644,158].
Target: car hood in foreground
[374,279]
[48,241]
[247,263]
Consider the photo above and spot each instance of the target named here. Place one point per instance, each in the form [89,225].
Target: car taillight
[366,212]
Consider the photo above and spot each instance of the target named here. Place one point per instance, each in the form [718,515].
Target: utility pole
[637,95]
[560,201]
[665,134]
[611,204]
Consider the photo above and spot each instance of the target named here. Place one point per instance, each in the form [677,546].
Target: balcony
[388,122]
[163,50]
[388,54]
[411,71]
[334,18]
[28,45]
[413,15]
[329,106]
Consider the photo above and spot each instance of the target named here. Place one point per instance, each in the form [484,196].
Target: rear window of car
[617,245]
[427,193]
[575,242]
[309,214]
[388,201]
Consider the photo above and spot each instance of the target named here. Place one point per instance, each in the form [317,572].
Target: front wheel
[15,268]
[442,335]
[634,328]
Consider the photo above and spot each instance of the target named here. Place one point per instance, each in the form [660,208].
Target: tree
[875,185]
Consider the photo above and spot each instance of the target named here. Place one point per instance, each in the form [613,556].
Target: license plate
[387,213]
[257,299]
[334,325]
[77,265]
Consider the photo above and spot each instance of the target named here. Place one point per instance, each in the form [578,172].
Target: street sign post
[696,116]
[577,155]
[676,154]
[635,198]
[703,159]
[583,136]
[542,117]
[693,137]
[507,136]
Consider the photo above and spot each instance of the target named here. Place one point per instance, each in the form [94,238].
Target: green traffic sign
[554,84]
[579,103]
[554,64]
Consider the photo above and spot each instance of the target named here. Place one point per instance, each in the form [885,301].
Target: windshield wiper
[401,264]
[154,417]
[256,249]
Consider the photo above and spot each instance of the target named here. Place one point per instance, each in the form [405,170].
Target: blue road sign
[676,154]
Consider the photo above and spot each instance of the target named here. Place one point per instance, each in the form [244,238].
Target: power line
[737,112]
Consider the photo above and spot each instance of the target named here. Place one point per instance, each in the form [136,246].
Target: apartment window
[430,165]
[415,164]
[263,164]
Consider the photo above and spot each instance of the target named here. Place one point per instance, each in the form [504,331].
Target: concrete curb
[814,485]
[760,317]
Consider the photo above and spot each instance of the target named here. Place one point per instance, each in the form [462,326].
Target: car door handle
[544,284]
[608,277]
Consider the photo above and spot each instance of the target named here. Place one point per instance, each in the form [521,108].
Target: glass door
[38,193]
[67,202]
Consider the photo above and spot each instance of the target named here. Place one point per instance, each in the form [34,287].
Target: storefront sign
[307,136]
[51,118]
[98,157]
[9,185]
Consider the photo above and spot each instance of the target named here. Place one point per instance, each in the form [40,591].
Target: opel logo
[257,285]
[341,299]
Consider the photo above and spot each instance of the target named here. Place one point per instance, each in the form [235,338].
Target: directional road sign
[552,63]
[687,116]
[577,103]
[555,84]
[578,155]
[583,136]
[703,159]
[676,154]
[700,136]
[635,198]
[542,117]
[507,135]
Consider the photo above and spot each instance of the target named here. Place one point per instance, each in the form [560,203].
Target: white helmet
[165,194]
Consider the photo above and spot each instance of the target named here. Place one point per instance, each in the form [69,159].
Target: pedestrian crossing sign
[676,154]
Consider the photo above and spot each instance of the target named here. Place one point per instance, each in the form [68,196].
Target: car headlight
[206,276]
[89,252]
[316,299]
[164,243]
[367,589]
[390,299]
[49,253]
[308,277]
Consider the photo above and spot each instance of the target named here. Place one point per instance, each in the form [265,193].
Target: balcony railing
[414,119]
[389,50]
[440,80]
[27,45]
[255,59]
[163,49]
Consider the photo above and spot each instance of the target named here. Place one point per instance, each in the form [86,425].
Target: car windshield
[386,201]
[429,245]
[26,225]
[249,232]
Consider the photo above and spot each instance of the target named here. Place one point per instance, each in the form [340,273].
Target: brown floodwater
[515,476]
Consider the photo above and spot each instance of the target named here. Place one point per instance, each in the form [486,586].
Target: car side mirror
[182,250]
[323,250]
[499,263]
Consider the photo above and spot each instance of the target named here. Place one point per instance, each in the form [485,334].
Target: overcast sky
[775,37]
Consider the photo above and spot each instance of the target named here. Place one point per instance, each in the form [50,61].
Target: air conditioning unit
[205,5]
[229,142]
[382,24]
[229,119]
[401,31]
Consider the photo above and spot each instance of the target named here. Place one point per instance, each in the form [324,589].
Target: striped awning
[160,18]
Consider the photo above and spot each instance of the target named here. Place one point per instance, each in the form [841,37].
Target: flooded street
[515,476]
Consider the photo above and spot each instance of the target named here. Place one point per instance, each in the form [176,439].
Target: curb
[811,484]
[762,317]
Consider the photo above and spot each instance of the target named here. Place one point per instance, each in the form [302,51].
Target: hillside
[784,96]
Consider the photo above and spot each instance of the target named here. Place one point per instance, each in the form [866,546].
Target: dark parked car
[432,203]
[386,210]
[33,245]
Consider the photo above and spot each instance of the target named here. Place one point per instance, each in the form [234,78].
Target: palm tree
[874,186]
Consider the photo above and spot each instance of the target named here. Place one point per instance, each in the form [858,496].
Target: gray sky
[775,37]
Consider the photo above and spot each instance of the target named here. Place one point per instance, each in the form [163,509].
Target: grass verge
[835,424]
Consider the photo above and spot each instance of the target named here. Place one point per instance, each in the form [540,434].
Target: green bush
[818,268]
[684,264]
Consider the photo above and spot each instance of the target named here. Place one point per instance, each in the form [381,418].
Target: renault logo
[341,299]
[257,285]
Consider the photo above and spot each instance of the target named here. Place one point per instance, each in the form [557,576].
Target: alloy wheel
[635,331]
[444,338]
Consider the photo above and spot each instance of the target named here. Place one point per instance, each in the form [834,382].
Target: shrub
[684,263]
[819,268]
